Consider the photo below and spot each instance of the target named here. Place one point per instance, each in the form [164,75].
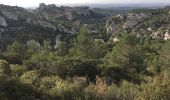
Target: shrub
[157,88]
[17,70]
[48,82]
[30,77]
[63,90]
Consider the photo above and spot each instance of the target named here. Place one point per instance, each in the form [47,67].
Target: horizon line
[90,4]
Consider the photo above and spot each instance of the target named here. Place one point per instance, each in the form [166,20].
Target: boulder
[115,39]
[149,29]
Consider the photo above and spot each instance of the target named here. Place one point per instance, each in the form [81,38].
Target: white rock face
[111,26]
[9,15]
[3,22]
[167,35]
[133,20]
[52,11]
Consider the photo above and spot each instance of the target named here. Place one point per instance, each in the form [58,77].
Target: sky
[34,3]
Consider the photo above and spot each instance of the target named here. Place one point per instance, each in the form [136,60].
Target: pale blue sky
[28,3]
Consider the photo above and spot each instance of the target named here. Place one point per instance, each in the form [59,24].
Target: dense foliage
[88,71]
[87,68]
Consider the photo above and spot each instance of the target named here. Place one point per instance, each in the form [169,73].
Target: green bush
[30,77]
[17,70]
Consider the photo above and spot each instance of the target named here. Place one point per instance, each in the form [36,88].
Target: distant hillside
[45,22]
[152,23]
[49,21]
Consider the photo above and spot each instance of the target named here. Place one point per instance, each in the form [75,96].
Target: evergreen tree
[83,44]
[127,59]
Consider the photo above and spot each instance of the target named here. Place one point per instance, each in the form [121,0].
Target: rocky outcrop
[47,25]
[157,35]
[14,12]
[3,22]
[70,13]
[167,36]
[47,17]
[128,21]
[111,25]
[133,20]
[9,15]
[110,28]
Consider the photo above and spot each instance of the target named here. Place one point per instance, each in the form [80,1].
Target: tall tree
[83,43]
[127,58]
